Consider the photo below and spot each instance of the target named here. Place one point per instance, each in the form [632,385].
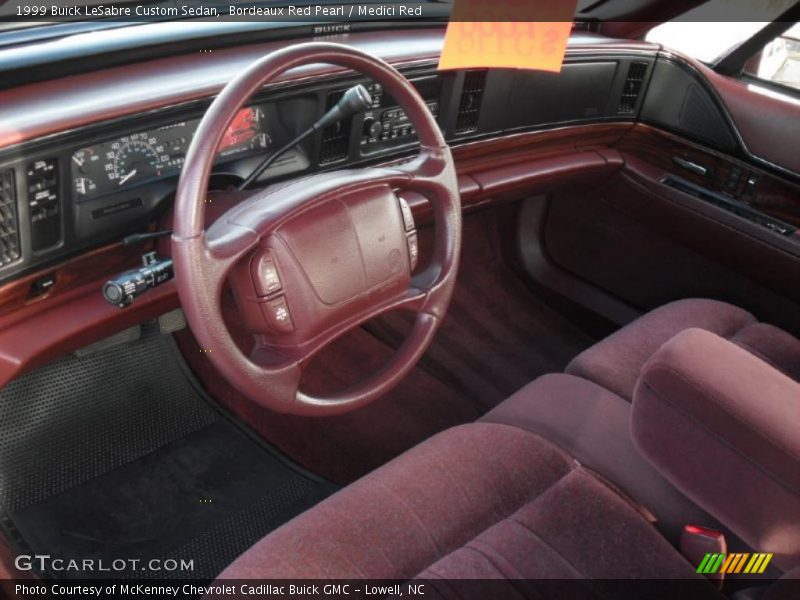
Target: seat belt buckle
[704,548]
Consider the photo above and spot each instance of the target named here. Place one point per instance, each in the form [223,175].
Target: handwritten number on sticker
[508,33]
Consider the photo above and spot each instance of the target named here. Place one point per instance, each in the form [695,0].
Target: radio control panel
[387,124]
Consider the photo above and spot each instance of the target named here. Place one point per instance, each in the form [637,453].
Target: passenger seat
[616,362]
[587,410]
[512,498]
[593,425]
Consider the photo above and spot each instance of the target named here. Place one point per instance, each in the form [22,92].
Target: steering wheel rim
[277,221]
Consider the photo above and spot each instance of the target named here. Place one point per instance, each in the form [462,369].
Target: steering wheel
[310,259]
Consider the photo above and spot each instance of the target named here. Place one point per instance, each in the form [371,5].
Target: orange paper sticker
[517,34]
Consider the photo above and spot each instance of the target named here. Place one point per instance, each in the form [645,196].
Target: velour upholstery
[593,425]
[557,535]
[426,503]
[479,499]
[724,427]
[616,361]
[551,485]
[772,345]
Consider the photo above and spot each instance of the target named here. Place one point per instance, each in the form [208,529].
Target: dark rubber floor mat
[148,472]
[80,417]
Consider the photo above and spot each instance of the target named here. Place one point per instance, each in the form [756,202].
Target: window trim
[785,90]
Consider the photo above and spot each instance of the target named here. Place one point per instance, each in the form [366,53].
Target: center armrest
[724,427]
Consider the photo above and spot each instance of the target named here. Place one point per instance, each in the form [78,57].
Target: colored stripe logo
[734,563]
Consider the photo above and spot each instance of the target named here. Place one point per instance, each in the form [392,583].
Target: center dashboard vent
[9,225]
[470,104]
[632,88]
[335,144]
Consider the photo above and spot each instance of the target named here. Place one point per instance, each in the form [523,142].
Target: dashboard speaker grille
[9,226]
[335,144]
[470,104]
[633,86]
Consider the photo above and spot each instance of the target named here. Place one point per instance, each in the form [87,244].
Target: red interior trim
[38,332]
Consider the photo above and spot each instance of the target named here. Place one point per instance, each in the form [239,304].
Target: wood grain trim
[482,155]
[775,197]
[101,262]
[73,313]
[473,157]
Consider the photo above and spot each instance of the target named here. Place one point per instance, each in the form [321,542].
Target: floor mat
[497,335]
[117,455]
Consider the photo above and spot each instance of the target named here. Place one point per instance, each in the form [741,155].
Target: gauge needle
[128,176]
[78,161]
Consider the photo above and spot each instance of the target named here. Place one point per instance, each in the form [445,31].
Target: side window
[714,28]
[779,61]
[705,41]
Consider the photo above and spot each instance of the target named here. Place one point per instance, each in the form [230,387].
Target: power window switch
[265,275]
[276,312]
[734,177]
[750,188]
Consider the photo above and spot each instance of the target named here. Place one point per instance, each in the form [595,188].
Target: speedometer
[135,158]
[147,156]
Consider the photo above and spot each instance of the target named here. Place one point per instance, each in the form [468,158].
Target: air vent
[633,85]
[336,138]
[9,229]
[470,104]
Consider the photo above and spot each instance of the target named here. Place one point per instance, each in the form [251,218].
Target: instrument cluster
[150,155]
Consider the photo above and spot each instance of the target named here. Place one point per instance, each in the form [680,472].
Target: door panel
[769,125]
[647,251]
[691,215]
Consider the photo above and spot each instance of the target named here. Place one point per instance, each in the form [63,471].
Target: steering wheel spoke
[230,243]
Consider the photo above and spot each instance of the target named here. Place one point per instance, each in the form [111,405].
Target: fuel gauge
[84,186]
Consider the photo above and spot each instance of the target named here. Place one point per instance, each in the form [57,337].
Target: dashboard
[88,159]
[96,184]
[86,186]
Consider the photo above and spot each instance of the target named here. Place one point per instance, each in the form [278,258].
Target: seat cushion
[559,536]
[615,362]
[425,504]
[482,485]
[593,425]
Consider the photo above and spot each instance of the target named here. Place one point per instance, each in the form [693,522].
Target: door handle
[694,167]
